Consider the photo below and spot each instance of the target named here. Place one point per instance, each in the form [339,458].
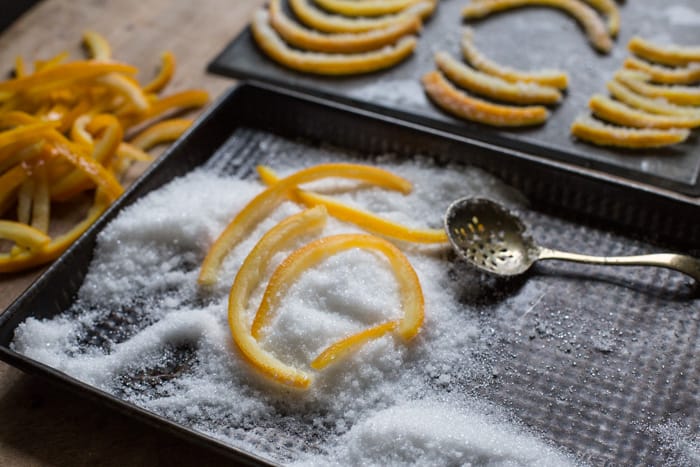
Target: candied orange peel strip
[359,217]
[366,7]
[345,346]
[410,292]
[594,27]
[162,132]
[555,78]
[249,276]
[621,114]
[324,22]
[673,55]
[493,86]
[165,74]
[306,39]
[664,75]
[651,105]
[266,201]
[596,132]
[611,11]
[23,234]
[638,82]
[467,107]
[327,64]
[98,47]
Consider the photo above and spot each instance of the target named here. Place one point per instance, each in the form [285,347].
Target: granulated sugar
[141,330]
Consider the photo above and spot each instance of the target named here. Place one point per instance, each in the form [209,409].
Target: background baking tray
[602,362]
[528,38]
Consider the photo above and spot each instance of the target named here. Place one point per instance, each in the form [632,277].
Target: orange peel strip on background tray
[664,75]
[321,21]
[467,107]
[266,201]
[493,86]
[306,39]
[621,114]
[249,276]
[638,82]
[410,291]
[596,132]
[366,7]
[652,105]
[554,78]
[673,55]
[595,29]
[327,64]
[364,219]
[345,346]
[611,11]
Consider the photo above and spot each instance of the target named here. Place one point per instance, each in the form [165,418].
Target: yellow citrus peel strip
[345,346]
[596,132]
[672,55]
[323,22]
[326,64]
[610,9]
[162,132]
[554,78]
[467,107]
[637,81]
[165,74]
[652,105]
[366,7]
[621,114]
[410,292]
[359,217]
[249,276]
[596,31]
[661,74]
[23,234]
[266,201]
[306,39]
[98,47]
[493,86]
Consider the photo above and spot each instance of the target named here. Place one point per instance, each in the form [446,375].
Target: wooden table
[40,424]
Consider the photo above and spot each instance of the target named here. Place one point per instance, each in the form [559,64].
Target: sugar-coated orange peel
[266,201]
[412,302]
[359,217]
[638,82]
[596,132]
[366,7]
[594,27]
[249,276]
[310,40]
[660,74]
[621,114]
[324,22]
[554,78]
[62,128]
[471,108]
[345,346]
[652,105]
[493,86]
[673,55]
[611,11]
[322,63]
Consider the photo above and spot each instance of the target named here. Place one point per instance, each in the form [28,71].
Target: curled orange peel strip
[310,40]
[161,132]
[661,74]
[23,235]
[127,88]
[621,114]
[366,7]
[98,47]
[190,98]
[471,108]
[326,64]
[652,105]
[249,276]
[165,74]
[345,346]
[596,31]
[610,9]
[364,219]
[410,292]
[321,21]
[596,132]
[673,55]
[555,78]
[266,201]
[493,86]
[638,82]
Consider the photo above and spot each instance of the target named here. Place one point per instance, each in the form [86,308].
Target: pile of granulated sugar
[140,329]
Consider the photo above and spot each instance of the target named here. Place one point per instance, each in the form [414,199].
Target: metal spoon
[493,239]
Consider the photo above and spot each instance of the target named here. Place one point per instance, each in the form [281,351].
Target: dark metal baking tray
[527,38]
[587,357]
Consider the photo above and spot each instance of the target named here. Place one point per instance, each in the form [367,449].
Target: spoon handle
[683,263]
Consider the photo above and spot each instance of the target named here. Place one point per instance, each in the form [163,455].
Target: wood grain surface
[39,424]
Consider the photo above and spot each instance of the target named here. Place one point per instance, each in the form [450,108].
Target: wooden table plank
[42,425]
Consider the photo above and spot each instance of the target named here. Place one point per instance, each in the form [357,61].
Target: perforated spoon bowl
[493,239]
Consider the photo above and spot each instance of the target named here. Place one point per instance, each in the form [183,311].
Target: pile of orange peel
[495,82]
[62,134]
[345,38]
[246,334]
[654,102]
